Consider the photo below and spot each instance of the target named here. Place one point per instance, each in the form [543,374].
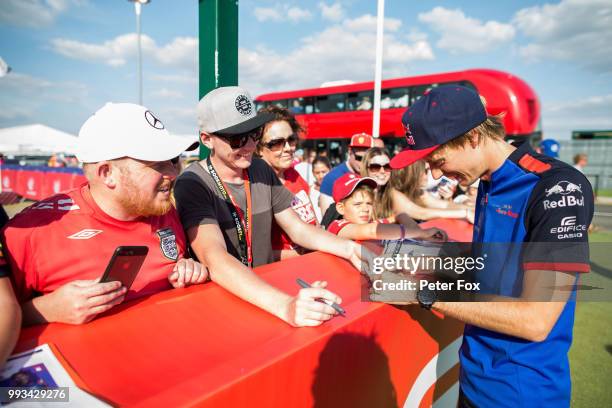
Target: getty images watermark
[397,270]
[423,264]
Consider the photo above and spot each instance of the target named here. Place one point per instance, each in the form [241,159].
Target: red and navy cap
[442,114]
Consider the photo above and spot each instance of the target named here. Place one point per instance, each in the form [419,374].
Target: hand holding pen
[334,305]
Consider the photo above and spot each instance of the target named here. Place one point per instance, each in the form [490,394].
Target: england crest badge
[167,243]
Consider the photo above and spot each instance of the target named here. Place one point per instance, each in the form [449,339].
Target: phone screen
[125,264]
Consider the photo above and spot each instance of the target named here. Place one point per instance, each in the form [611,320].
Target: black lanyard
[243,223]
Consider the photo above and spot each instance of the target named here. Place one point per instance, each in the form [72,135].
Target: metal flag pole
[378,70]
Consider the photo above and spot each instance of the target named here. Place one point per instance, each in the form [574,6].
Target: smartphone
[445,180]
[125,264]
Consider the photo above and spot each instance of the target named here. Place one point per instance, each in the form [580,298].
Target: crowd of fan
[204,220]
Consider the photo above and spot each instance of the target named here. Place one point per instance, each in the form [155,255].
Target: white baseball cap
[128,130]
[229,110]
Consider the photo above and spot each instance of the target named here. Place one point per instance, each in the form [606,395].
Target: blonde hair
[380,190]
[408,182]
[365,189]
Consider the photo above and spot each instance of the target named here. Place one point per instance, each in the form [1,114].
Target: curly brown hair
[279,115]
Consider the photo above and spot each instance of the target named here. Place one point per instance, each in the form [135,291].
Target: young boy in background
[354,197]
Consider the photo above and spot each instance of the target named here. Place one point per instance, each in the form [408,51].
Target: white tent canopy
[35,139]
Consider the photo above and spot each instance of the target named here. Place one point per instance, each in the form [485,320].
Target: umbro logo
[85,234]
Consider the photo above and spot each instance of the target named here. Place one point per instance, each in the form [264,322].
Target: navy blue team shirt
[327,184]
[530,199]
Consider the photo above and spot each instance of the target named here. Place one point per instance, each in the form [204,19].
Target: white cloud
[324,56]
[367,22]
[33,13]
[416,35]
[572,30]
[560,118]
[166,93]
[280,13]
[296,14]
[182,52]
[267,14]
[333,12]
[459,33]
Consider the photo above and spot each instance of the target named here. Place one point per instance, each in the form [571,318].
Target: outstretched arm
[300,310]
[10,320]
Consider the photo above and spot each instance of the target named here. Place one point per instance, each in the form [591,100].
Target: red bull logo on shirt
[564,188]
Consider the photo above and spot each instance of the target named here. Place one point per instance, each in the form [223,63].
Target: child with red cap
[354,197]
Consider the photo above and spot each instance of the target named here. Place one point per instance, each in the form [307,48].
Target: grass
[591,352]
[604,193]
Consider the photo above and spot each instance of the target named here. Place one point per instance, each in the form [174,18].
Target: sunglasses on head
[277,144]
[241,139]
[377,167]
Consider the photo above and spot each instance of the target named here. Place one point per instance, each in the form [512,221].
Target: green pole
[218,47]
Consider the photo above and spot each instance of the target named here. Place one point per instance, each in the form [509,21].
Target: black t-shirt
[198,202]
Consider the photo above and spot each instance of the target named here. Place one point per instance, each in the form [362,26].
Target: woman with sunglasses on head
[277,148]
[406,194]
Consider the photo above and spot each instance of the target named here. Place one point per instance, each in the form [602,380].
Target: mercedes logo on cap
[153,121]
[243,105]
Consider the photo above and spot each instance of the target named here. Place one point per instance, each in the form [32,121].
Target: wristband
[402,231]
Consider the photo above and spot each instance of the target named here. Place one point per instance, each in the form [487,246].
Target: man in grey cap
[227,203]
[58,248]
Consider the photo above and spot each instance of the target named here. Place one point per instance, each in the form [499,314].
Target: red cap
[362,140]
[347,183]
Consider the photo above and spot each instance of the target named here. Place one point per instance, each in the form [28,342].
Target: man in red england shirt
[276,147]
[59,247]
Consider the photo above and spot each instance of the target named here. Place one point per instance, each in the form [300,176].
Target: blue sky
[69,57]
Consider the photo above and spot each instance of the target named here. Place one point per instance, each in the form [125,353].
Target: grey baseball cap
[229,110]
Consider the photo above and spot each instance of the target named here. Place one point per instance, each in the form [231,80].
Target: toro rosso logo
[564,188]
[409,138]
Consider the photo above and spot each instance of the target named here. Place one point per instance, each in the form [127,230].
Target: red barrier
[36,183]
[202,346]
[9,177]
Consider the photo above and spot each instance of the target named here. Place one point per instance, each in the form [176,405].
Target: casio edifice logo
[563,189]
[568,228]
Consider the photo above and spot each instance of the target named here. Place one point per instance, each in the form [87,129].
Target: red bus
[332,114]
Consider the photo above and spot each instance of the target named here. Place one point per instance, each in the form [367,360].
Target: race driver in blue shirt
[537,210]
